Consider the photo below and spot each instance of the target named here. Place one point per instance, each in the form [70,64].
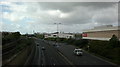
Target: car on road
[78,51]
[54,44]
[37,44]
[43,48]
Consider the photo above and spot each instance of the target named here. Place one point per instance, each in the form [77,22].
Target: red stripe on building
[84,34]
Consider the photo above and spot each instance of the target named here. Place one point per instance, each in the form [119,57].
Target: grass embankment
[19,54]
[105,50]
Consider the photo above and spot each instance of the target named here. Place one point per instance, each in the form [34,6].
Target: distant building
[60,35]
[101,32]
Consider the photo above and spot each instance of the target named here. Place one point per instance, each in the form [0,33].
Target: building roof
[98,38]
[103,28]
[94,38]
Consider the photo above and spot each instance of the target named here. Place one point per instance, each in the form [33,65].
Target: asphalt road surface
[63,55]
[49,56]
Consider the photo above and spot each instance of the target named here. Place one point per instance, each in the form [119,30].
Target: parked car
[78,51]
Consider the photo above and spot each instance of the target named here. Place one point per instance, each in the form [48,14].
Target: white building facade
[60,35]
[102,32]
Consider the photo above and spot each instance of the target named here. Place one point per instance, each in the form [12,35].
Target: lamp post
[57,31]
[57,26]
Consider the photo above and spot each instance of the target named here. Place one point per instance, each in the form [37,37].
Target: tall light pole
[57,28]
[57,31]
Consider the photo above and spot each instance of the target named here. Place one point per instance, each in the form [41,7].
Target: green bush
[9,37]
[114,41]
[109,49]
[39,35]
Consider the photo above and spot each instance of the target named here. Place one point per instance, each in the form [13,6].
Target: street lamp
[57,26]
[57,30]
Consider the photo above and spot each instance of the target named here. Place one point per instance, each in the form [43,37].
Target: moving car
[37,44]
[54,44]
[43,48]
[78,51]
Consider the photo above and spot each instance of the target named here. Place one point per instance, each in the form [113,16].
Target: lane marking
[50,46]
[66,58]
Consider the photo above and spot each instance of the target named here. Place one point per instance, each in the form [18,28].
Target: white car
[78,51]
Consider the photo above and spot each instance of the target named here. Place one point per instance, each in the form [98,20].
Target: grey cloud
[70,6]
[82,15]
[119,13]
[83,12]
[80,12]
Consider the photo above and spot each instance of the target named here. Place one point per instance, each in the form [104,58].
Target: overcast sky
[41,16]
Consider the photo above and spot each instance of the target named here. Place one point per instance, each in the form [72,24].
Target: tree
[16,35]
[114,41]
[9,37]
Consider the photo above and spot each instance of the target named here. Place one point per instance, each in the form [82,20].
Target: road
[63,55]
[49,56]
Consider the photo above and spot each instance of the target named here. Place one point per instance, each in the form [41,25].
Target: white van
[78,51]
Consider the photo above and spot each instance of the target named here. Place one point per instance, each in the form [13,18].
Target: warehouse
[60,35]
[101,32]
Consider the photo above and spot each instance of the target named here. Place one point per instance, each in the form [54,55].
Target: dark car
[37,44]
[43,48]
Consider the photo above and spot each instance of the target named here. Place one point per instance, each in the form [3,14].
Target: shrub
[114,41]
[9,37]
[109,49]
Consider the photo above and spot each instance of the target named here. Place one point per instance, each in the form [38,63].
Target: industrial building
[60,35]
[101,32]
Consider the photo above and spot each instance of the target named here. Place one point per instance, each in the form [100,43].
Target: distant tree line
[8,37]
[39,35]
